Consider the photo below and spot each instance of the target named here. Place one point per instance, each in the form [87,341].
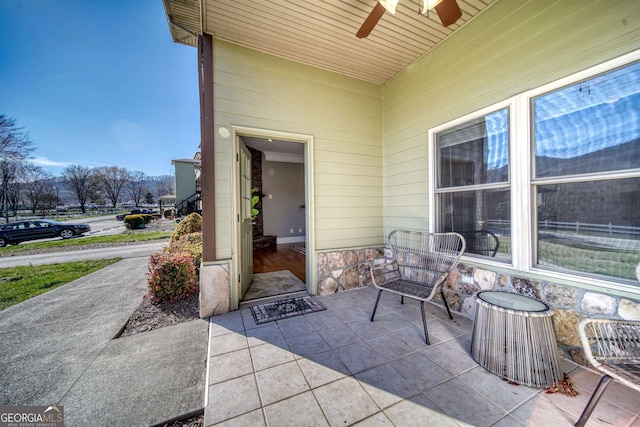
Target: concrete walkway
[59,348]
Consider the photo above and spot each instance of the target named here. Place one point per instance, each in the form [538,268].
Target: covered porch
[422,127]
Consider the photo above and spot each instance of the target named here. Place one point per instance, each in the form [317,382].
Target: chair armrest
[384,271]
[607,341]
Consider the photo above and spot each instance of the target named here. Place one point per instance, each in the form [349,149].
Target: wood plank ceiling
[320,33]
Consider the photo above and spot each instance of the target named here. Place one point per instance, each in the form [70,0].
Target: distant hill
[624,156]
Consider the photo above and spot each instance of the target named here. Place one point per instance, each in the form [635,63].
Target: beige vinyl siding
[224,207]
[344,116]
[511,47]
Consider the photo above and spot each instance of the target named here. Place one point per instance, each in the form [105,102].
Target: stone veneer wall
[343,270]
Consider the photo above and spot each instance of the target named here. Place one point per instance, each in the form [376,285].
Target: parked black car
[13,233]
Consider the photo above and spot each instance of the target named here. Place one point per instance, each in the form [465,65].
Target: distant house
[187,185]
[509,121]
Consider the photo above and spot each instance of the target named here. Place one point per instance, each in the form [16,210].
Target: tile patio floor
[336,368]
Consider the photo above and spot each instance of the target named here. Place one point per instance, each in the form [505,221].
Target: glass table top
[512,301]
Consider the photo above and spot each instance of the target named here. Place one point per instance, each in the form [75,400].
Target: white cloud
[44,162]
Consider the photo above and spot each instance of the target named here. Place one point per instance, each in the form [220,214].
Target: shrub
[149,217]
[133,222]
[171,277]
[189,243]
[192,223]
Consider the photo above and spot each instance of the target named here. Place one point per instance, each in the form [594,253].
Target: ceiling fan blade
[448,11]
[371,21]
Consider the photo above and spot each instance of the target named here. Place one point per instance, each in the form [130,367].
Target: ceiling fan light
[426,5]
[389,5]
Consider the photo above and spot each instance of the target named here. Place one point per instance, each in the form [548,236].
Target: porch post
[205,79]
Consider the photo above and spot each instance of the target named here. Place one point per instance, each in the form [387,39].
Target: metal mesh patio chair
[420,265]
[613,348]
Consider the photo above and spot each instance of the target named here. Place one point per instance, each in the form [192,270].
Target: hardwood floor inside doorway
[280,257]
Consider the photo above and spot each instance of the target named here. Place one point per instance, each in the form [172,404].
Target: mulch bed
[149,316]
[196,421]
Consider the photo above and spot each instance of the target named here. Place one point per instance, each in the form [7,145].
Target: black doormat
[264,313]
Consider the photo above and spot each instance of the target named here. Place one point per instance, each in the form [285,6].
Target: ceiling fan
[448,11]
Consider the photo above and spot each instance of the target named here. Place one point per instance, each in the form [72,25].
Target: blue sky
[98,83]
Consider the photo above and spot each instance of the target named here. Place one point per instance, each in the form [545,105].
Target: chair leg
[375,307]
[595,397]
[424,323]
[445,304]
[401,299]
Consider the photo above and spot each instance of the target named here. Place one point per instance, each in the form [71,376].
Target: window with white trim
[473,194]
[560,193]
[586,175]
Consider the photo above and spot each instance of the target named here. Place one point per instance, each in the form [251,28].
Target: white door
[246,226]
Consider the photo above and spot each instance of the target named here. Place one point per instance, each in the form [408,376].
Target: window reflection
[591,126]
[476,153]
[482,217]
[591,227]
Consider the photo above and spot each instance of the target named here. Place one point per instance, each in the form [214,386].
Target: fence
[60,214]
[503,226]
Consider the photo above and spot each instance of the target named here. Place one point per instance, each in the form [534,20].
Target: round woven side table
[513,337]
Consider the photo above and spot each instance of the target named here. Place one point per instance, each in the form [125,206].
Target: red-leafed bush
[190,243]
[171,277]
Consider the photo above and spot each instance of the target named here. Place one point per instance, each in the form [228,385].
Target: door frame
[310,262]
[245,222]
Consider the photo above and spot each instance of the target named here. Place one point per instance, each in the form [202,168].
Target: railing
[191,199]
[59,214]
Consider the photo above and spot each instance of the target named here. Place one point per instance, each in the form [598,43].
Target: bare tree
[148,197]
[38,188]
[14,141]
[137,186]
[112,180]
[9,176]
[97,197]
[162,185]
[82,181]
[15,147]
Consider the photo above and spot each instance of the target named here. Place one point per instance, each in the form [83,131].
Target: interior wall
[283,201]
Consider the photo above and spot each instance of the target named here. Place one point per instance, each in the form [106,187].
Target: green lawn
[606,262]
[115,239]
[612,263]
[18,284]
